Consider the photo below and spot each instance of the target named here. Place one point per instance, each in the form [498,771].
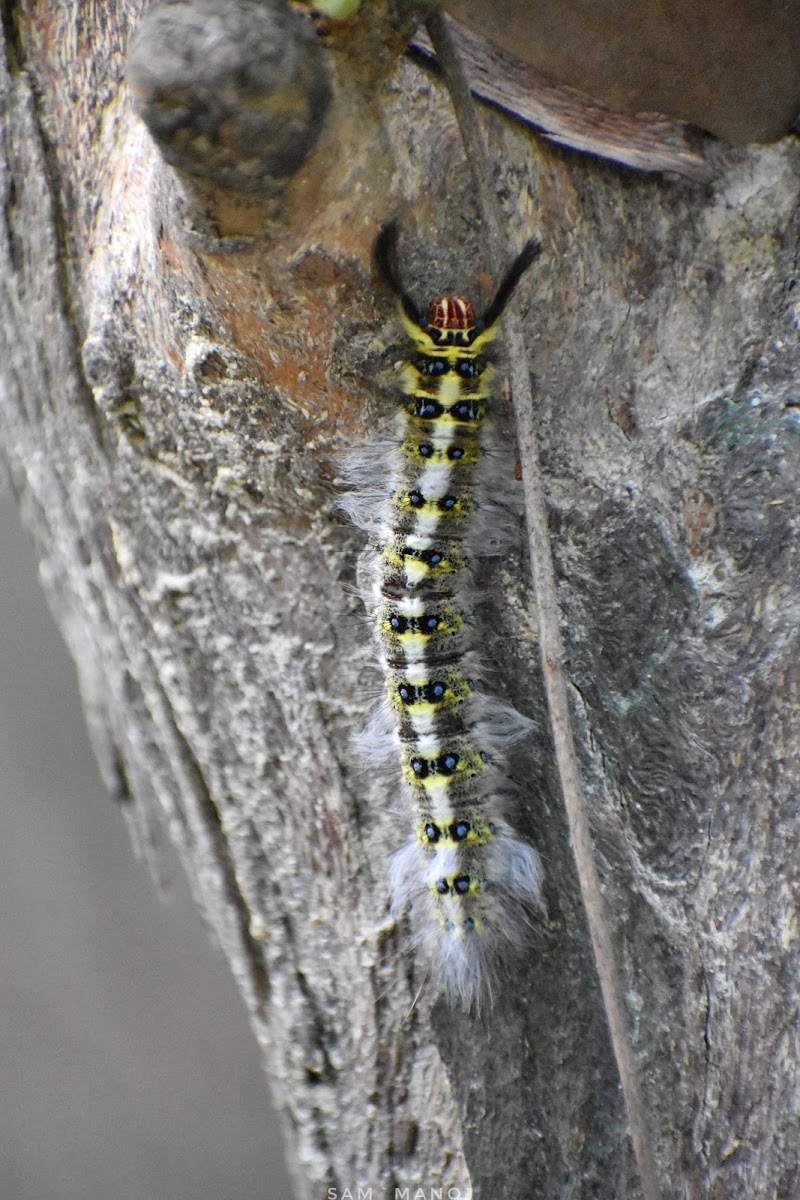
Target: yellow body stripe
[461,506]
[475,886]
[469,764]
[471,451]
[478,834]
[412,565]
[425,344]
[453,696]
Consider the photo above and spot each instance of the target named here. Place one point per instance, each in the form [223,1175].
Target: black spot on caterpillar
[466,878]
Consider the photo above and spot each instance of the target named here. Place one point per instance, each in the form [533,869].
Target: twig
[552,649]
[563,114]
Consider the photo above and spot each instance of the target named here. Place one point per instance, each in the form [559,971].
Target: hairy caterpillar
[467,878]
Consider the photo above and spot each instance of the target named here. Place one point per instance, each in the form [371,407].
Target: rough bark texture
[170,412]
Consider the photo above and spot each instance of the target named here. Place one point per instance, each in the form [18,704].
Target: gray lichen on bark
[169,420]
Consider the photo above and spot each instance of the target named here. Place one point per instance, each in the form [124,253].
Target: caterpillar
[466,879]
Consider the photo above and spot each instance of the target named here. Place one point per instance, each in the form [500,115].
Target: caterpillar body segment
[467,879]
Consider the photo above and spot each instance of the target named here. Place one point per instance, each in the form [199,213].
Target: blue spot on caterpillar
[466,878]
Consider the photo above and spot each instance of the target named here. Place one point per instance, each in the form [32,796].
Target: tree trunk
[172,406]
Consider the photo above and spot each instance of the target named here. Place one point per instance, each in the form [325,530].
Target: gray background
[127,1069]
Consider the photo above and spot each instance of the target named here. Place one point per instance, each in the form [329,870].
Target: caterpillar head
[450,320]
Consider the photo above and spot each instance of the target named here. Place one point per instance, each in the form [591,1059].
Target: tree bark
[173,395]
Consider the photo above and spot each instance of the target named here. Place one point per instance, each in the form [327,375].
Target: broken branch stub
[234,91]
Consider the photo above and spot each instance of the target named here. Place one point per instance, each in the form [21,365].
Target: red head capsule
[450,312]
